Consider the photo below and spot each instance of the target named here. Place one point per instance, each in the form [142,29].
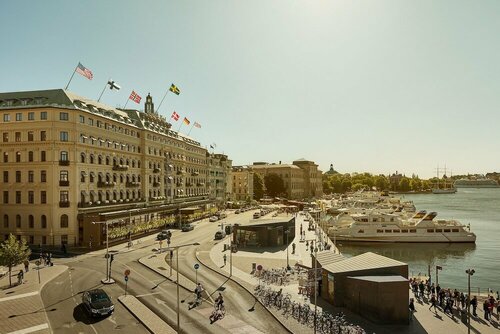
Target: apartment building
[242,183]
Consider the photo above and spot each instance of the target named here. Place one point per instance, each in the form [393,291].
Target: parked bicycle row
[325,322]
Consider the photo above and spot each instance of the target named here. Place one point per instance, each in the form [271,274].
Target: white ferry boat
[384,227]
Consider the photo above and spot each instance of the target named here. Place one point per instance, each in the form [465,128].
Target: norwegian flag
[175,116]
[135,97]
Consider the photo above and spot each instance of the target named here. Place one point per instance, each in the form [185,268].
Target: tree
[12,253]
[274,185]
[404,184]
[258,187]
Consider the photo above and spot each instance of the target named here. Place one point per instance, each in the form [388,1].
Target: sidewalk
[147,317]
[21,307]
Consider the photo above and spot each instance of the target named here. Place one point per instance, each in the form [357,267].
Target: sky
[368,86]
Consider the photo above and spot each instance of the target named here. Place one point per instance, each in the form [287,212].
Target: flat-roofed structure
[265,232]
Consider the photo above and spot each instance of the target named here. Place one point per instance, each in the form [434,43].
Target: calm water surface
[480,208]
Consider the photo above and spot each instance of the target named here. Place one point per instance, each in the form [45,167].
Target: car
[237,211]
[97,303]
[213,219]
[221,215]
[256,215]
[187,227]
[220,235]
[165,234]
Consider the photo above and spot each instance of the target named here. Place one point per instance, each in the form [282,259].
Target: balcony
[189,184]
[156,184]
[63,162]
[200,184]
[132,184]
[179,172]
[195,174]
[179,184]
[120,167]
[63,183]
[104,184]
[156,170]
[64,204]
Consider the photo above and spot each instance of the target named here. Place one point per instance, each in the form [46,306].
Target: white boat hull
[470,238]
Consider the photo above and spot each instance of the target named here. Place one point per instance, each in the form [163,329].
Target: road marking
[148,294]
[31,329]
[19,296]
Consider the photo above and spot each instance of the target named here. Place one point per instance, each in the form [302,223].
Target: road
[157,293]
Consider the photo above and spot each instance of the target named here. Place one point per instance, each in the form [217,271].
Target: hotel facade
[69,162]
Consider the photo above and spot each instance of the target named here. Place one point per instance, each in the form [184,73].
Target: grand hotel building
[68,161]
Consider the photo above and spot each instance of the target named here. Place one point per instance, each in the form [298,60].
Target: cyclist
[198,290]
[219,302]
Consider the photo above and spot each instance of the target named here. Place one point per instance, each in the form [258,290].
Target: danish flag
[175,116]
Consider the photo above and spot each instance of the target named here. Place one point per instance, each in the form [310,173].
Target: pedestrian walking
[63,248]
[225,259]
[473,302]
[433,303]
[26,265]
[486,310]
[411,306]
[20,277]
[49,259]
[293,248]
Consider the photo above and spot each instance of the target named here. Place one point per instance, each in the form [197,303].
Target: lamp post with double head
[469,273]
[176,248]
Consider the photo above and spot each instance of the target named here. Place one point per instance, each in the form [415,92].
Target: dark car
[219,235]
[165,234]
[98,303]
[187,227]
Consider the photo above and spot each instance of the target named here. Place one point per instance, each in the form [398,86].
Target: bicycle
[218,313]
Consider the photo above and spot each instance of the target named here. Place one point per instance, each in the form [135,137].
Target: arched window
[99,160]
[138,164]
[18,221]
[31,221]
[82,176]
[82,158]
[6,221]
[64,221]
[114,177]
[121,178]
[44,221]
[18,156]
[133,163]
[30,156]
[107,160]
[91,158]
[63,156]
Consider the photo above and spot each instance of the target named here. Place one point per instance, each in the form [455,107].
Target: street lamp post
[287,231]
[108,279]
[176,248]
[315,284]
[469,272]
[437,276]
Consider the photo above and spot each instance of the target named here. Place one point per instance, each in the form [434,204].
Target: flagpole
[106,85]
[72,75]
[158,109]
[190,129]
[180,126]
[126,103]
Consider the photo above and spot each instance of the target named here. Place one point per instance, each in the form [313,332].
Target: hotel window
[43,198]
[64,156]
[18,136]
[31,116]
[5,137]
[30,135]
[42,156]
[44,240]
[82,176]
[43,176]
[6,117]
[43,221]
[90,121]
[43,135]
[82,119]
[447,230]
[18,176]
[5,176]
[64,221]
[18,221]
[5,197]
[5,221]
[64,196]
[63,116]
[63,175]
[413,231]
[63,136]
[18,197]
[19,117]
[430,230]
[30,156]
[31,197]
[43,115]
[18,156]
[31,176]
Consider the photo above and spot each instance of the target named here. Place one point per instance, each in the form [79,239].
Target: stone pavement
[147,317]
[21,307]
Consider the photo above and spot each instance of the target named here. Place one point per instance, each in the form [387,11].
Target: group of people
[448,299]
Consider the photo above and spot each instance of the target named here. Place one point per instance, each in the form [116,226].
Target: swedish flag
[174,89]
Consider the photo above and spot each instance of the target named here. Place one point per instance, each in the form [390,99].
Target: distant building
[302,178]
[394,180]
[68,161]
[242,183]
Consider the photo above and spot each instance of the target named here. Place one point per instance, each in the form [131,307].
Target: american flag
[84,71]
[198,125]
[135,97]
[175,116]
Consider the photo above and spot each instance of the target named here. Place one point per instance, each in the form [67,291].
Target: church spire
[149,106]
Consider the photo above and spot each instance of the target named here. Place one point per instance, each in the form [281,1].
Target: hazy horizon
[373,87]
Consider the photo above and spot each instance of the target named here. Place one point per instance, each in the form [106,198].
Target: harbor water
[478,207]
